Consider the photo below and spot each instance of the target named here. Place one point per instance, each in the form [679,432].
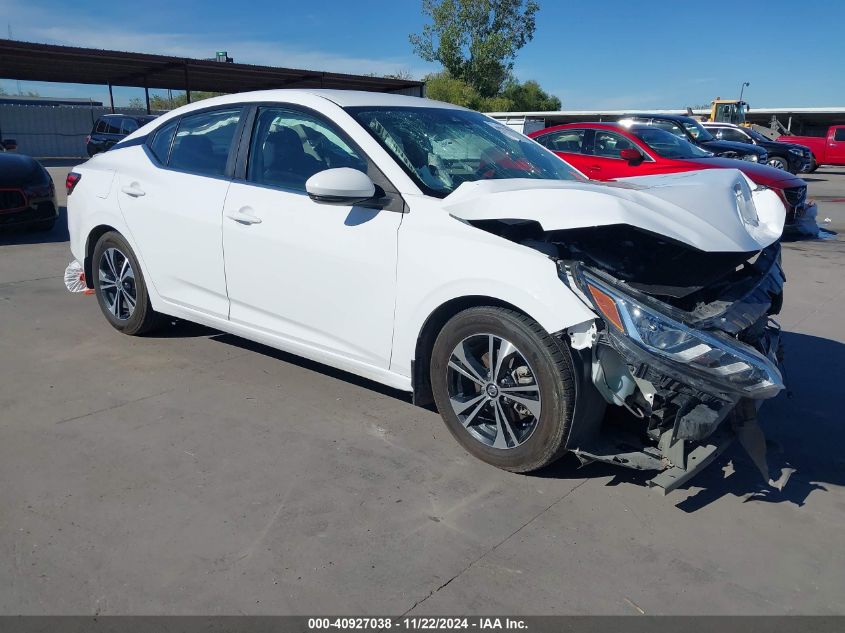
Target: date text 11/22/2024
[421,623]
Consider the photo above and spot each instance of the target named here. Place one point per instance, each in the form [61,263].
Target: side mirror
[633,156]
[10,144]
[342,185]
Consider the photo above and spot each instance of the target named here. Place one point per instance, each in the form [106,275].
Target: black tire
[142,318]
[43,226]
[813,166]
[551,365]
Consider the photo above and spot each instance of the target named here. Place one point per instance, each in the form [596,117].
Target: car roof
[598,125]
[342,98]
[670,117]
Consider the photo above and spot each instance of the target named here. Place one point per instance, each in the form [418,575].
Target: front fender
[469,262]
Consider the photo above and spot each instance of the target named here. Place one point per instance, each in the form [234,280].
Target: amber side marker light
[607,306]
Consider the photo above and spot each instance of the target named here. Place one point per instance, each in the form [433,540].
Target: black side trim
[141,140]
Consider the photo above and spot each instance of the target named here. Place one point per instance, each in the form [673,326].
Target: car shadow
[803,425]
[299,361]
[804,429]
[24,235]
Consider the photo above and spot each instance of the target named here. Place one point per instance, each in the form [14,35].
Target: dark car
[691,130]
[111,128]
[791,157]
[27,195]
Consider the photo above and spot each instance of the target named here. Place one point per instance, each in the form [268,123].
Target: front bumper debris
[673,417]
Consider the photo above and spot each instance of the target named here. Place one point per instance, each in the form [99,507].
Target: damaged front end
[687,364]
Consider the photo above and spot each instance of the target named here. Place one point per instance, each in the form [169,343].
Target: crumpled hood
[699,208]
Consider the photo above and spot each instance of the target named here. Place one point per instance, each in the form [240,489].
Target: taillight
[87,139]
[71,181]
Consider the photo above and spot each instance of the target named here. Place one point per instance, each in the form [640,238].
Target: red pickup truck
[827,150]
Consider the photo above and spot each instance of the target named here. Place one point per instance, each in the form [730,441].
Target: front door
[318,275]
[836,146]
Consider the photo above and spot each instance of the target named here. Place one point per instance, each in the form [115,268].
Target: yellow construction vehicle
[728,111]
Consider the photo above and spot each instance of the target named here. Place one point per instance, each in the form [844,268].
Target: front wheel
[504,387]
[120,288]
[778,162]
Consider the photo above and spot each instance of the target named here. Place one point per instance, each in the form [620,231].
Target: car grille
[795,196]
[11,200]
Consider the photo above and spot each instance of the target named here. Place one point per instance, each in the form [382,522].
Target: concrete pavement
[196,473]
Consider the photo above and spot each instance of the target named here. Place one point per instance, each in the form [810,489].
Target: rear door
[172,197]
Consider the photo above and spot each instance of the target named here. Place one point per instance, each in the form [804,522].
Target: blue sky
[611,54]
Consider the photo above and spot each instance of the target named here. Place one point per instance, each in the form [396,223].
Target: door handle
[133,190]
[243,216]
[595,167]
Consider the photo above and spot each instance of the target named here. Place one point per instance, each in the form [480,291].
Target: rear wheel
[504,387]
[120,288]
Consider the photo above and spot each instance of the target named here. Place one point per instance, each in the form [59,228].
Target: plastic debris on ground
[75,278]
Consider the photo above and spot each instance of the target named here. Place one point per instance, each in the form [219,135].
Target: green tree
[158,102]
[476,40]
[442,87]
[515,97]
[529,97]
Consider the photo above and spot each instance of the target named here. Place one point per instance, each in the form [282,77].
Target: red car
[606,151]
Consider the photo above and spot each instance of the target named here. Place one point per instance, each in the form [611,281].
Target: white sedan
[432,249]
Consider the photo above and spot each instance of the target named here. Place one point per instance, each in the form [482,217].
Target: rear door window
[112,125]
[129,126]
[839,134]
[203,142]
[571,141]
[731,134]
[163,139]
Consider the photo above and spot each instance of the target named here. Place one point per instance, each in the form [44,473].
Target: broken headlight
[711,357]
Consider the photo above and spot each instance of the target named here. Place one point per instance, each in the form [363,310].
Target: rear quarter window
[162,140]
[839,134]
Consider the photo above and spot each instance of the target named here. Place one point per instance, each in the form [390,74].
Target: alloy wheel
[117,283]
[493,391]
[778,163]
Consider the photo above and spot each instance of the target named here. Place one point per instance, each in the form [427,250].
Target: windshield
[442,148]
[698,132]
[668,145]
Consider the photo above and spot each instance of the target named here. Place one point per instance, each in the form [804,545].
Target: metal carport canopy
[69,64]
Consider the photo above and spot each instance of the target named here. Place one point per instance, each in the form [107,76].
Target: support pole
[187,85]
[111,99]
[147,95]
